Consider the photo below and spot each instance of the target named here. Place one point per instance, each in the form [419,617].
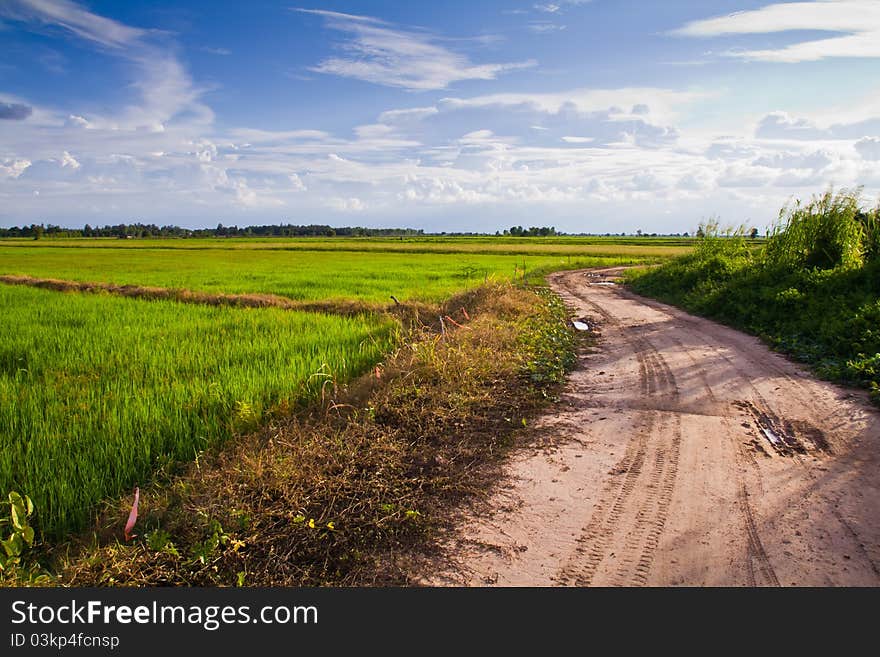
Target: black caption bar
[164,621]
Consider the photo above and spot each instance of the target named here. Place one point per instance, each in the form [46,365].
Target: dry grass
[341,495]
[347,307]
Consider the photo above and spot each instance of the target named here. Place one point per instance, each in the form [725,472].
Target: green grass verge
[813,292]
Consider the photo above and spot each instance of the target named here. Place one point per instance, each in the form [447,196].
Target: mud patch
[786,437]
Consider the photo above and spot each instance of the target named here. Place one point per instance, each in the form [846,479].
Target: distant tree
[753,233]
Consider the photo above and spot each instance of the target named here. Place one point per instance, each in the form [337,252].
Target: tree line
[141,230]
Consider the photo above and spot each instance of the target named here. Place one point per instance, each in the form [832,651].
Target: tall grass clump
[812,290]
[825,233]
[98,392]
[870,221]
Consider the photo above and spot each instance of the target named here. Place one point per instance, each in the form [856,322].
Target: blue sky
[593,116]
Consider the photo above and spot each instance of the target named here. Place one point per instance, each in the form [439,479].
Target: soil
[681,453]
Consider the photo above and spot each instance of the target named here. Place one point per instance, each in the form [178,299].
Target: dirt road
[681,453]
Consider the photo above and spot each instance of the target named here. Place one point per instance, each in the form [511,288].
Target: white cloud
[857,20]
[815,160]
[869,148]
[545,28]
[660,104]
[78,121]
[782,125]
[384,54]
[73,17]
[13,168]
[68,160]
[296,183]
[406,115]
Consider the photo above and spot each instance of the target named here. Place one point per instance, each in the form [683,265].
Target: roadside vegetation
[812,290]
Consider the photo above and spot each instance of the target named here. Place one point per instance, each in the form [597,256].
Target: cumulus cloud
[68,160]
[869,148]
[815,160]
[781,125]
[10,168]
[857,20]
[15,111]
[385,54]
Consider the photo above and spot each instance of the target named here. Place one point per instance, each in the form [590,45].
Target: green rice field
[297,274]
[97,392]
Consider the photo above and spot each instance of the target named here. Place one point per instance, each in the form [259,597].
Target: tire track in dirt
[632,527]
[756,555]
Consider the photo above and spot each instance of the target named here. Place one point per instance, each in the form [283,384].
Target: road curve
[682,453]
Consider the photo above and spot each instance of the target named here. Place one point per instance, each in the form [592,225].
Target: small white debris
[580,326]
[772,437]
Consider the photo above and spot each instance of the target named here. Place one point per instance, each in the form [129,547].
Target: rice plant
[296,274]
[98,392]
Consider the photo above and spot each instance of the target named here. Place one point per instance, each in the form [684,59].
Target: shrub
[825,233]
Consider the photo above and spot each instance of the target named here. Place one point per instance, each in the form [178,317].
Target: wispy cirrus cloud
[75,18]
[857,20]
[385,54]
[166,87]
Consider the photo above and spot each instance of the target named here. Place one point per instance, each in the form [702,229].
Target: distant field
[298,274]
[661,247]
[98,392]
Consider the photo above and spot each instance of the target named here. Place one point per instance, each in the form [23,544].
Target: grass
[639,247]
[812,292]
[301,275]
[343,494]
[99,392]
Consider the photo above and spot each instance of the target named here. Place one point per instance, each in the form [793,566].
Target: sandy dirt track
[682,453]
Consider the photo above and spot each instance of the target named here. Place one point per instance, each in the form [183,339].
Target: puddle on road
[786,437]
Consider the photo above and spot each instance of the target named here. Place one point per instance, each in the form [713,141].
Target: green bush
[813,291]
[825,233]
